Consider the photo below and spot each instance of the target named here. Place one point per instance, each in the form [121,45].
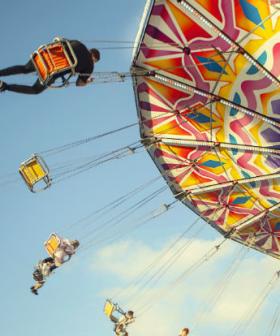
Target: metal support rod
[254,219]
[192,89]
[194,190]
[209,144]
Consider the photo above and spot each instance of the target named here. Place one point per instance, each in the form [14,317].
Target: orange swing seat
[54,58]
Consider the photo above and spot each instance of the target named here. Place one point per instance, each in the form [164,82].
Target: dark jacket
[85,63]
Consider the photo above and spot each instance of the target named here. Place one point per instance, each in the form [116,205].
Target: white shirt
[65,249]
[44,268]
[125,320]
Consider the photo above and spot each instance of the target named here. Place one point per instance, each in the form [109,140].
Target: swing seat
[52,244]
[109,308]
[35,173]
[54,58]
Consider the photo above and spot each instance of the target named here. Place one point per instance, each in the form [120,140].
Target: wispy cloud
[187,303]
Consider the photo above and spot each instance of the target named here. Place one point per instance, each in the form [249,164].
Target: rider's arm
[130,320]
[113,319]
[83,80]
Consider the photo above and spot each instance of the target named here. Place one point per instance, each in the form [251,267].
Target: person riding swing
[121,320]
[42,270]
[122,323]
[54,61]
[65,251]
[60,250]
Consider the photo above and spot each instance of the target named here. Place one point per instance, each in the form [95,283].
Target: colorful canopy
[207,87]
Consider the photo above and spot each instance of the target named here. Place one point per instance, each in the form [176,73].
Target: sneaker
[3,86]
[33,290]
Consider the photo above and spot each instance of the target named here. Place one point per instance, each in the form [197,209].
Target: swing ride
[206,81]
[207,102]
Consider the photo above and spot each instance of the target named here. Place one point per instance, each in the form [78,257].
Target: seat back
[52,244]
[35,170]
[109,308]
[54,58]
[50,60]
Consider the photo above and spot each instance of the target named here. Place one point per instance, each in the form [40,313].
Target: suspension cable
[220,286]
[246,321]
[140,221]
[162,270]
[142,274]
[104,210]
[59,149]
[104,158]
[174,284]
[274,325]
[112,222]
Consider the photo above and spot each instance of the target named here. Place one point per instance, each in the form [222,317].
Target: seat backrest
[53,58]
[52,244]
[109,308]
[33,171]
[59,58]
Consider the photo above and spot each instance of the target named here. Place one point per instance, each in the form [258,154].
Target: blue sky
[71,302]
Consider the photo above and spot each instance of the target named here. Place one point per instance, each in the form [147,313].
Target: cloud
[189,302]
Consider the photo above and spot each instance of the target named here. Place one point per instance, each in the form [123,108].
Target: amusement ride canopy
[207,88]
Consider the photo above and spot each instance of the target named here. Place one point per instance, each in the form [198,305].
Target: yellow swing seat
[35,172]
[109,308]
[54,58]
[52,244]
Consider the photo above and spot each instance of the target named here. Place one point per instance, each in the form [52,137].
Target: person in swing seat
[122,323]
[86,58]
[42,270]
[65,251]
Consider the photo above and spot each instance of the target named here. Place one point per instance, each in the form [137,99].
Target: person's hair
[130,313]
[186,330]
[75,243]
[96,53]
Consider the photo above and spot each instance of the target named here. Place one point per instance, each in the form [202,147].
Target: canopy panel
[207,87]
